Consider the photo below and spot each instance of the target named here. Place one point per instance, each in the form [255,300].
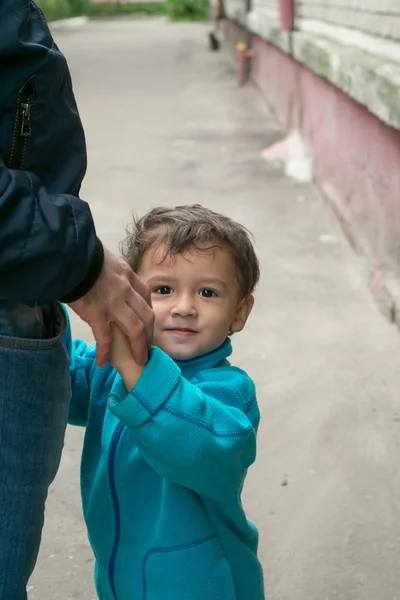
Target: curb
[64,23]
[385,289]
[383,284]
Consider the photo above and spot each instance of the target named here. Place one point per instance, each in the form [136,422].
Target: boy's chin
[186,353]
[181,353]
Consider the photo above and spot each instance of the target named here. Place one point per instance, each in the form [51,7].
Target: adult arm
[48,245]
[49,251]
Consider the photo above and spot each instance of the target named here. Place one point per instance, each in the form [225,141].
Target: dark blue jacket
[48,245]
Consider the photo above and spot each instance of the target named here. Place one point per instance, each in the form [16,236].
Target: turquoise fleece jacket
[162,471]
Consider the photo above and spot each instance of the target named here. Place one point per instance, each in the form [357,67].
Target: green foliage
[186,10]
[109,10]
[55,9]
[62,9]
[79,7]
[177,10]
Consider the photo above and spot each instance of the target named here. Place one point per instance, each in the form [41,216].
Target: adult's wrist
[91,276]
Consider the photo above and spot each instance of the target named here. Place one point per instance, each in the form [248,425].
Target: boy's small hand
[122,358]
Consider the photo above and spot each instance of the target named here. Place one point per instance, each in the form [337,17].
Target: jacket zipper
[111,474]
[22,124]
[26,129]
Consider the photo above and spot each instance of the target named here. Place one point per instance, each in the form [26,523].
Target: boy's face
[196,299]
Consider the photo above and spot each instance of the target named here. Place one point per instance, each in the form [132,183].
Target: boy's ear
[242,312]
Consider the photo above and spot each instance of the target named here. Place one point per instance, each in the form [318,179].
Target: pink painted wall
[356,156]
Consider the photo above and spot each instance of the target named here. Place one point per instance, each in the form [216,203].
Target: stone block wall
[380,18]
[377,17]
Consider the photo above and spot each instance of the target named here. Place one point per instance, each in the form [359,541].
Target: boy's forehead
[210,256]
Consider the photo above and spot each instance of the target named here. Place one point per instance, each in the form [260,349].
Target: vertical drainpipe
[243,62]
[244,52]
[286,14]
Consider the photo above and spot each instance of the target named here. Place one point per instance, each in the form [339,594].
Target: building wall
[356,156]
[376,17]
[380,18]
[265,5]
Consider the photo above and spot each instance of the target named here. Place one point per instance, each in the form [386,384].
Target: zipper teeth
[23,152]
[28,101]
[18,149]
[111,463]
[15,133]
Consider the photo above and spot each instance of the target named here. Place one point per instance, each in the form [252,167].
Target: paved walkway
[166,124]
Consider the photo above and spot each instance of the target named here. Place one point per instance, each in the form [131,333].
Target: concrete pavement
[166,124]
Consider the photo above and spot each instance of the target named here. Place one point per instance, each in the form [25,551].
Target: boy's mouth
[182,331]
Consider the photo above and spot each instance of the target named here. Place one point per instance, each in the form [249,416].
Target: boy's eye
[164,290]
[206,293]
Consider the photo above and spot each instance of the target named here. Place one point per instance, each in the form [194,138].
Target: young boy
[167,445]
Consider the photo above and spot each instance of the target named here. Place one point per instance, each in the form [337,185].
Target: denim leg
[34,396]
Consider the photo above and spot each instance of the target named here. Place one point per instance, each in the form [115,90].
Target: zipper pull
[26,119]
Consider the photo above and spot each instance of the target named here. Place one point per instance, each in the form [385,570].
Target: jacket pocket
[22,124]
[197,570]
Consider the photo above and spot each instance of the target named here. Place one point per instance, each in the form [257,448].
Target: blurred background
[285,115]
[195,10]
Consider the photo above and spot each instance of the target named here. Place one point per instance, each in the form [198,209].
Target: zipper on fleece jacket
[111,474]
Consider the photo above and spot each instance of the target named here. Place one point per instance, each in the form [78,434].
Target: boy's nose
[184,306]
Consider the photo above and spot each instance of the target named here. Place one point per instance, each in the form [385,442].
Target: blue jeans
[35,392]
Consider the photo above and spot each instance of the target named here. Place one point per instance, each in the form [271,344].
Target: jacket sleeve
[189,433]
[48,244]
[82,361]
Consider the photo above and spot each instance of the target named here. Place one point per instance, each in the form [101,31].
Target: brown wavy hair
[186,228]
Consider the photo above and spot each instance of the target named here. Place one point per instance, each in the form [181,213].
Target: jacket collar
[189,368]
[205,361]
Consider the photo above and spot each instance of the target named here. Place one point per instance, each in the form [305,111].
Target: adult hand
[118,296]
